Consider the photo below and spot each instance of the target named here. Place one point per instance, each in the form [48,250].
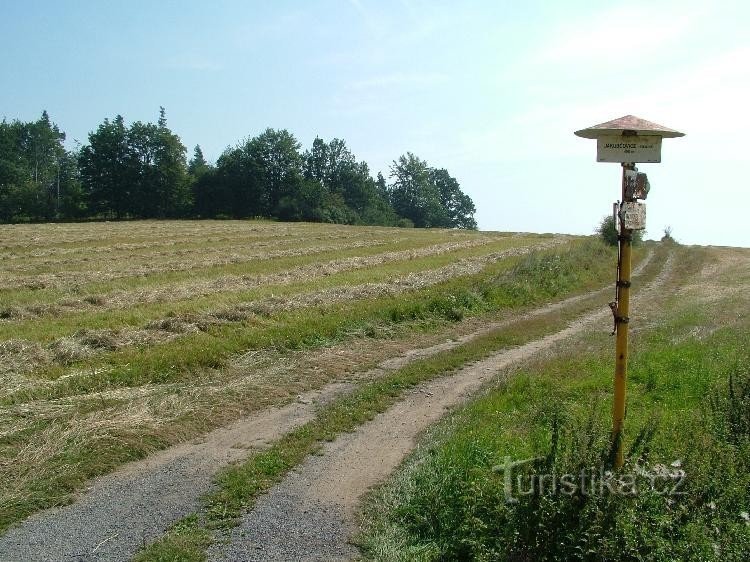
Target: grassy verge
[683,495]
[239,485]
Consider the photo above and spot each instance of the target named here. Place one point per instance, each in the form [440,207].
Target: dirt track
[122,512]
[311,515]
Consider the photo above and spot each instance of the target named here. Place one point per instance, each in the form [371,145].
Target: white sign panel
[633,215]
[617,148]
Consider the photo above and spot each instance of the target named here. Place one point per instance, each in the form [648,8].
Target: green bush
[608,233]
[668,235]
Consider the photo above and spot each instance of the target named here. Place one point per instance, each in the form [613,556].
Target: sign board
[633,215]
[619,148]
[637,185]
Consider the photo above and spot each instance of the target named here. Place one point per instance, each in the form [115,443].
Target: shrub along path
[120,513]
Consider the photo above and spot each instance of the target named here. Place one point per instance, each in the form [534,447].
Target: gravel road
[120,513]
[311,515]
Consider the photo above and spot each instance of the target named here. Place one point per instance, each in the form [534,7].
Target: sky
[492,91]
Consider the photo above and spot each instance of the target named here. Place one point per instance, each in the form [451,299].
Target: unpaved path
[122,512]
[311,515]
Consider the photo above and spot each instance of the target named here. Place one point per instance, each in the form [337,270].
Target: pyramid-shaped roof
[628,123]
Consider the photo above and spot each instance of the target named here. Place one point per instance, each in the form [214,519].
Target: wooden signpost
[626,140]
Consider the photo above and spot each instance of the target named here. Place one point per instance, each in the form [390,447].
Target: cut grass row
[171,244]
[286,284]
[448,503]
[190,355]
[61,234]
[243,236]
[240,485]
[175,258]
[88,286]
[111,268]
[484,294]
[23,238]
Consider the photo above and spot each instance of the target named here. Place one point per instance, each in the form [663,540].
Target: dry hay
[116,264]
[235,283]
[22,242]
[86,343]
[722,278]
[22,237]
[30,311]
[61,279]
[20,356]
[162,247]
[96,300]
[39,458]
[13,313]
[67,351]
[175,325]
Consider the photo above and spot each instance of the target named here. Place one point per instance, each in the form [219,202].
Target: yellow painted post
[621,345]
[626,140]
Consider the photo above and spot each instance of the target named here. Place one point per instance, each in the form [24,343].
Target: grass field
[688,422]
[117,339]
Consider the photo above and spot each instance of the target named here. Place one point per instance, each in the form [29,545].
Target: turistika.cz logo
[658,479]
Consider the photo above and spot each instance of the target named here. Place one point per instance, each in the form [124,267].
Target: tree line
[141,171]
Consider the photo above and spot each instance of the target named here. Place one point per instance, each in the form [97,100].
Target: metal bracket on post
[616,317]
[613,307]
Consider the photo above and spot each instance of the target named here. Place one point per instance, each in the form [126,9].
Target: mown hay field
[117,339]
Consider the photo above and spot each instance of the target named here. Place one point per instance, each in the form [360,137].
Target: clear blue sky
[490,90]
